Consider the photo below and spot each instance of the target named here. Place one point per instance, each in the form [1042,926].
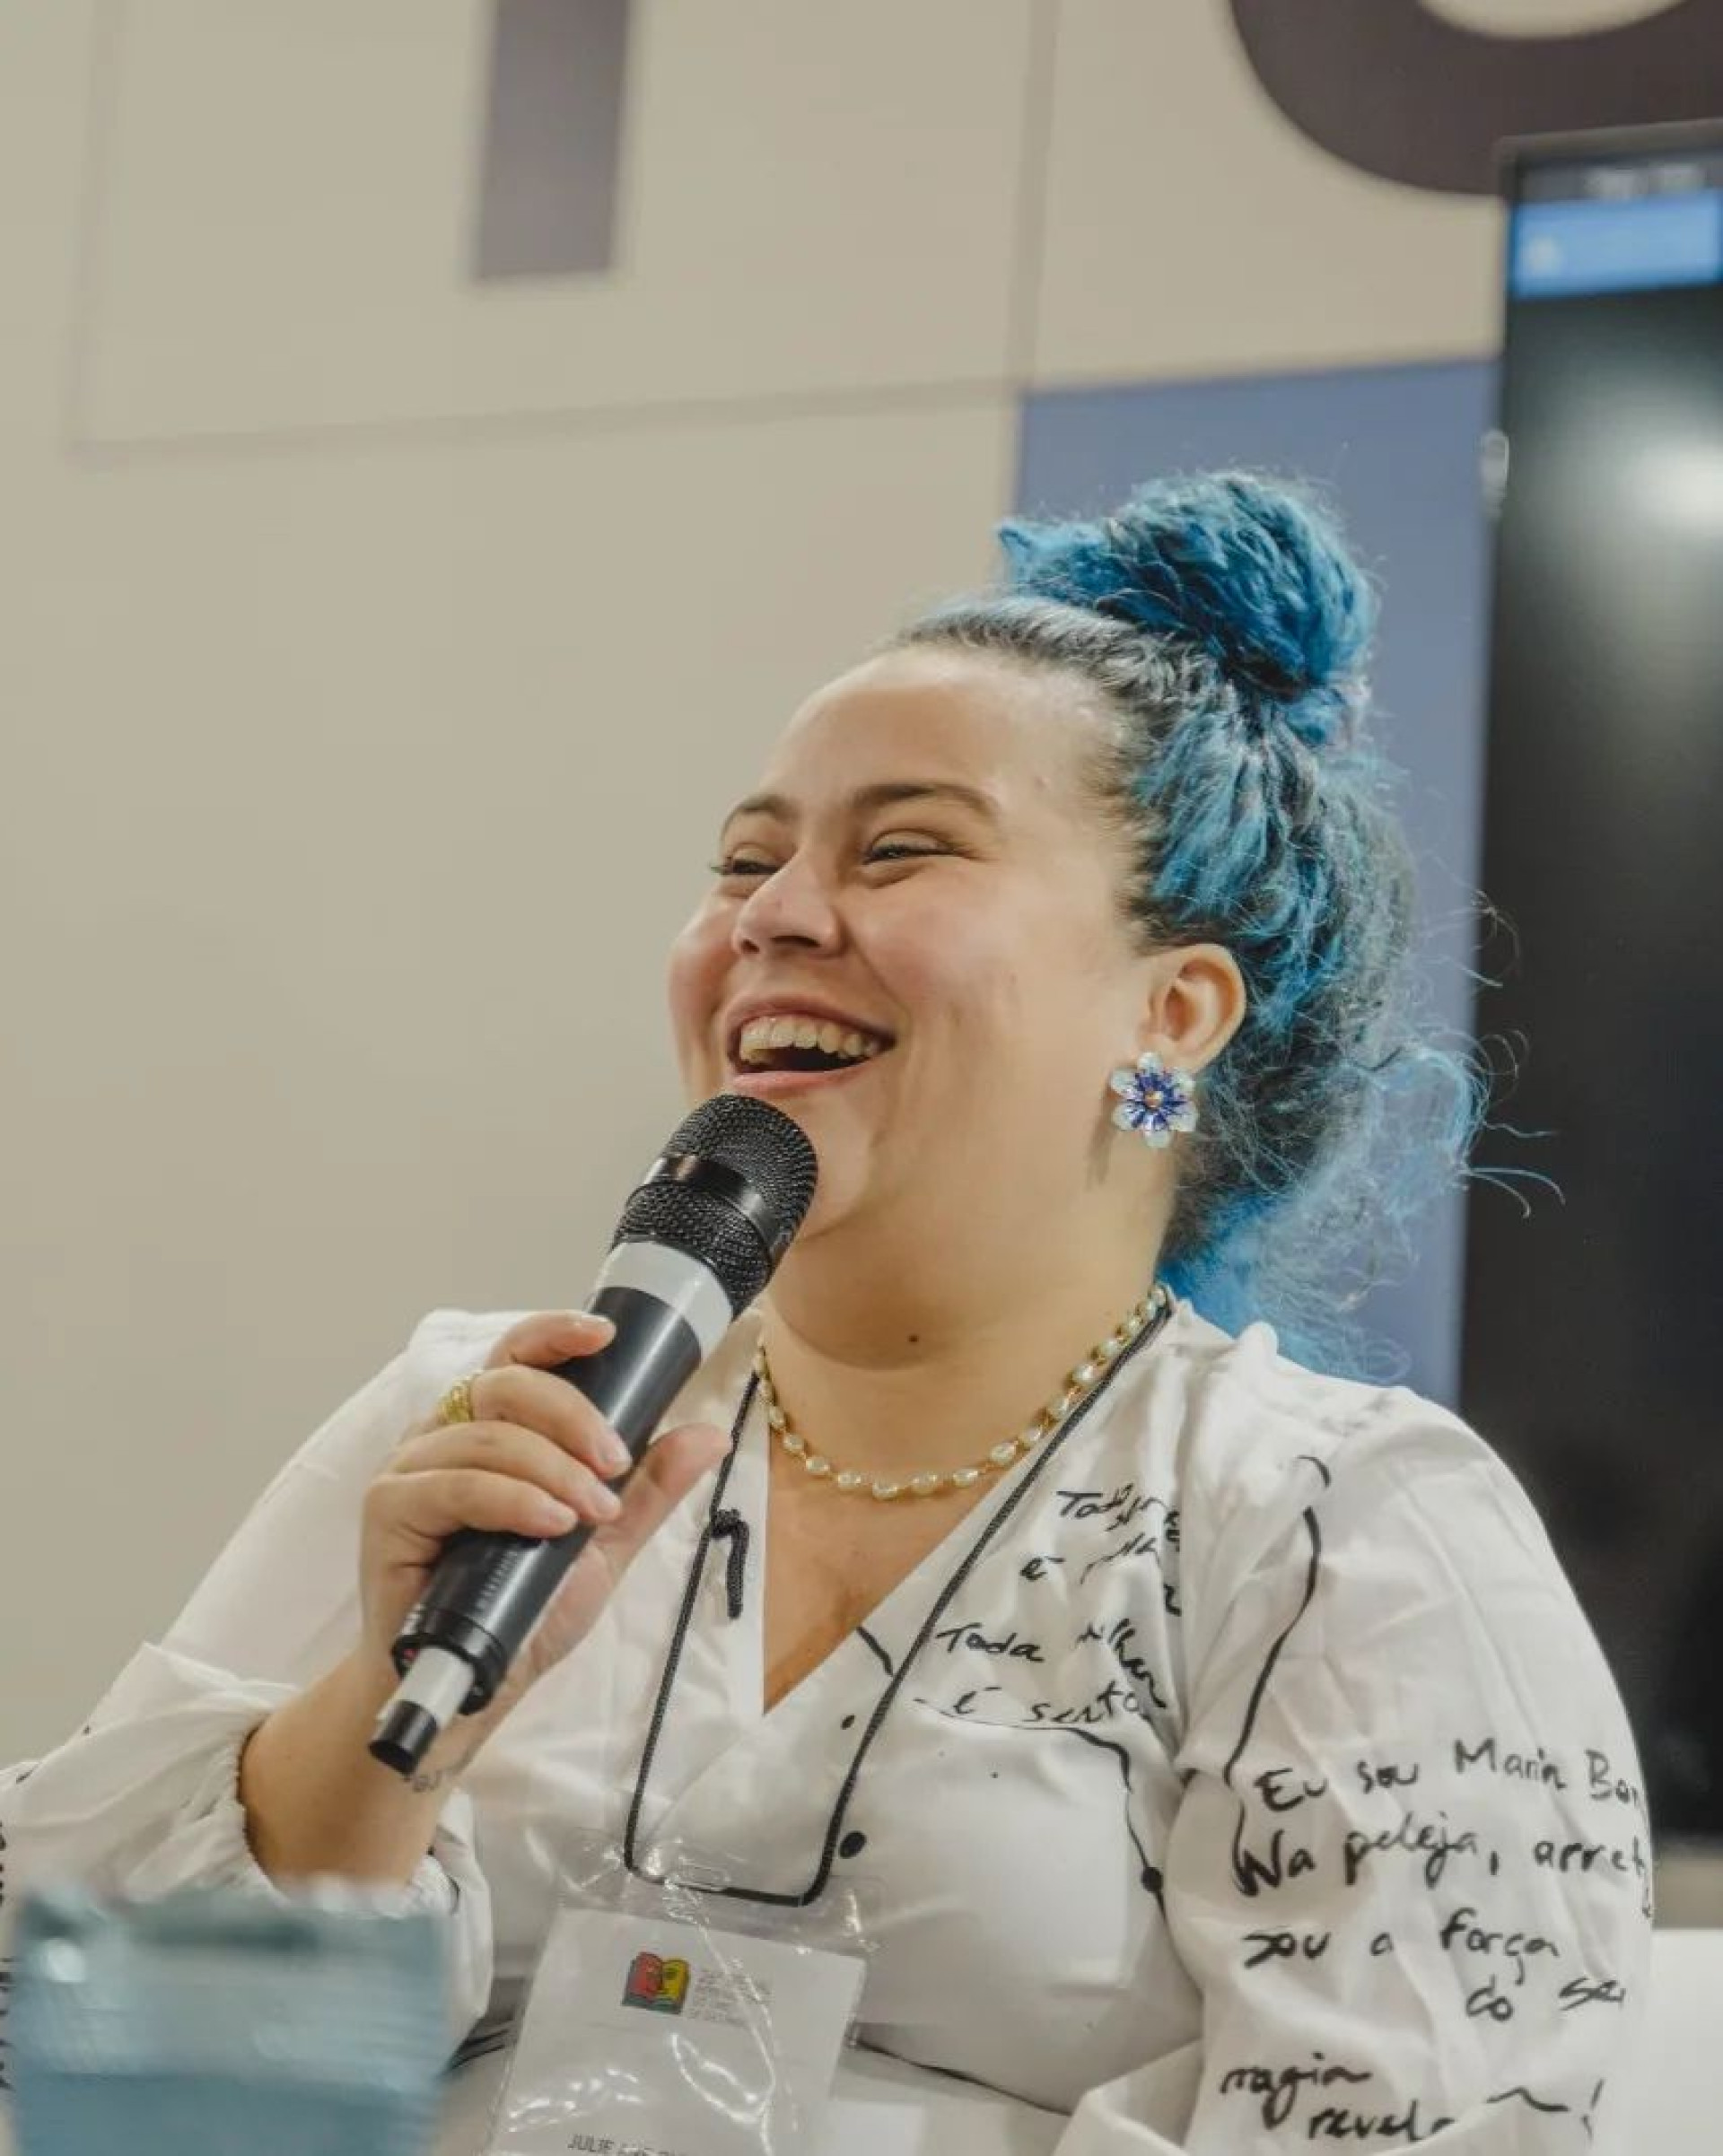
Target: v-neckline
[879,1634]
[850,1690]
[724,1610]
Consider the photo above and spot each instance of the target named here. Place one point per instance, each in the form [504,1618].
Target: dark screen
[1592,1327]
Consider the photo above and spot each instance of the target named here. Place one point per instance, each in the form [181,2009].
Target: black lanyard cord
[683,1619]
[888,1698]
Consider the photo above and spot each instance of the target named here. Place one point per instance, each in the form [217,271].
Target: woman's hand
[536,1458]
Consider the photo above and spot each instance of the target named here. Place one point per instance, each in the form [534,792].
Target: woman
[1217,1746]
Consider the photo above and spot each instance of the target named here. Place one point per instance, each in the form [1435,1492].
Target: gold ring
[457,1403]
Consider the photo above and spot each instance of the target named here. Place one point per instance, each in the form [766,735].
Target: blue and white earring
[1156,1101]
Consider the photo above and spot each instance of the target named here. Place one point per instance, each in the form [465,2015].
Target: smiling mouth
[802,1047]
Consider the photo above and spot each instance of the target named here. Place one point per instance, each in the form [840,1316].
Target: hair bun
[1257,575]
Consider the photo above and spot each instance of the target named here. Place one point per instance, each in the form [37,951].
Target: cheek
[699,958]
[956,966]
[1015,981]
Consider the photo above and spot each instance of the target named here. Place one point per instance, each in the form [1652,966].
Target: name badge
[650,2036]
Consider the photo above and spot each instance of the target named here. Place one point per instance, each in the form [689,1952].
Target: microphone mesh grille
[759,1142]
[755,1141]
[705,1228]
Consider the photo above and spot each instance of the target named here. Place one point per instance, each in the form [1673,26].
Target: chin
[831,1211]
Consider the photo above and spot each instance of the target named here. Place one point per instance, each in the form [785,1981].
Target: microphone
[698,1241]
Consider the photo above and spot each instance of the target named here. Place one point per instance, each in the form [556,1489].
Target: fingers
[424,1509]
[502,1448]
[536,1401]
[668,1471]
[533,1399]
[550,1337]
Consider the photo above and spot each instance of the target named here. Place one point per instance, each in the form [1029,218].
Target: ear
[1196,1003]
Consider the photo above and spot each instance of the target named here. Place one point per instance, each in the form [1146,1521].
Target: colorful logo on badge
[660,1986]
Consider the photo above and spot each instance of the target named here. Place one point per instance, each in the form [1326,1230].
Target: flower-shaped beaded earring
[1156,1101]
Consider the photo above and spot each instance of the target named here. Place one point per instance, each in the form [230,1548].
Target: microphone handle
[489,1590]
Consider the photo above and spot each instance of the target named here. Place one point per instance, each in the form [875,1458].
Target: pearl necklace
[1078,1385]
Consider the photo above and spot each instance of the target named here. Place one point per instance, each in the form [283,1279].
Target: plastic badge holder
[206,2024]
[668,2019]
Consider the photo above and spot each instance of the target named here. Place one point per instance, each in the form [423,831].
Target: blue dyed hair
[1224,627]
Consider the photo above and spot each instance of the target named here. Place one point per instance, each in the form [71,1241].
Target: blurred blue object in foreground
[209,2023]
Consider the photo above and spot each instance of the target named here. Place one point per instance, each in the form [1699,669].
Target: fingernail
[557,1517]
[616,1456]
[590,1318]
[606,1501]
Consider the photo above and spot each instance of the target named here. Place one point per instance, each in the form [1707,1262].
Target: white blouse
[1240,1774]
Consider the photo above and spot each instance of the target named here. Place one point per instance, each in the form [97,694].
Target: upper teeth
[793,1029]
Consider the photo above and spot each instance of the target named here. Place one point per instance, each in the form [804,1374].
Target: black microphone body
[488,1591]
[697,1242]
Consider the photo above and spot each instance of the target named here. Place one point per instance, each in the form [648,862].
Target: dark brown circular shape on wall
[1409,96]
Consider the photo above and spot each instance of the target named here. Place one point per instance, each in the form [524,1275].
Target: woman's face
[922,875]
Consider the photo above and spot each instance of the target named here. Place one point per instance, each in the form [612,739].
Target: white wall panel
[45,59]
[813,200]
[1190,229]
[359,796]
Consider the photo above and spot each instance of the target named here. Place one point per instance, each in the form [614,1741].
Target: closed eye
[888,850]
[895,851]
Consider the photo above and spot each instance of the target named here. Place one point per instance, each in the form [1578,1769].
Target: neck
[889,1358]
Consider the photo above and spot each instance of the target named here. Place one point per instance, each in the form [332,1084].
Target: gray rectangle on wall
[553,138]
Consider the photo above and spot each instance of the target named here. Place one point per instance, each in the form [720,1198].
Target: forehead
[1018,734]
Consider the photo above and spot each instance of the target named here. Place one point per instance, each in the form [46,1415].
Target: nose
[790,906]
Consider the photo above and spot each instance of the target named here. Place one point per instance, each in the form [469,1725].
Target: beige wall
[379,650]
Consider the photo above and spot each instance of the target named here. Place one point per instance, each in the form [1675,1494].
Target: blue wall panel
[1398,450]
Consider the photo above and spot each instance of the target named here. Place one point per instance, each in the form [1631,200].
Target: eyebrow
[887,794]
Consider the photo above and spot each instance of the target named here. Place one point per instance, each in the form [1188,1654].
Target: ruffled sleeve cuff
[145,1807]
